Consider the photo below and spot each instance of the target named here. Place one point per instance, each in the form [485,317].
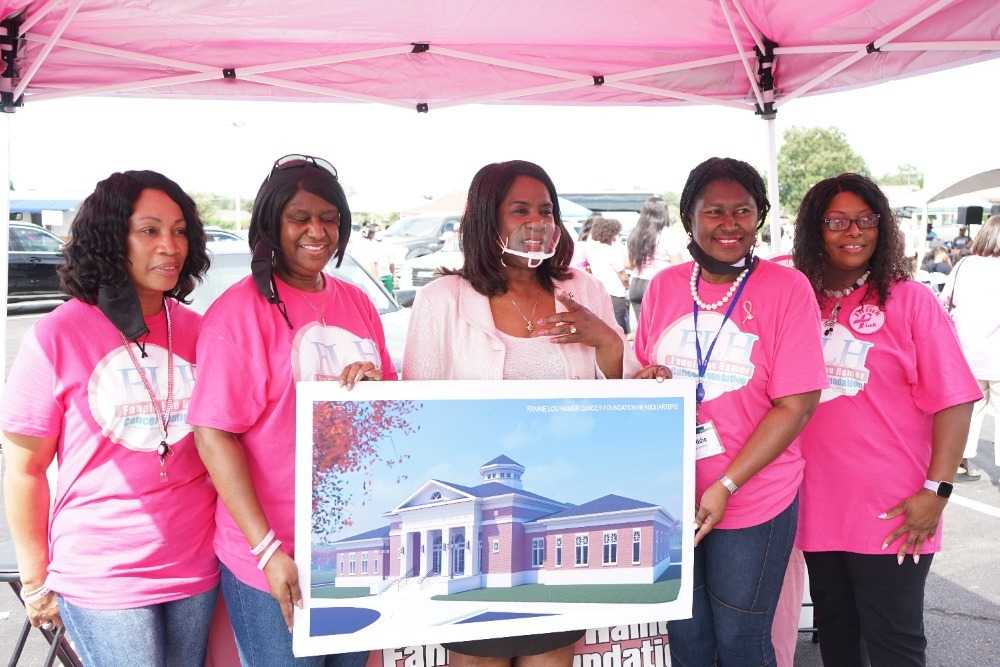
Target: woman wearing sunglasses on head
[286,322]
[515,310]
[124,557]
[888,435]
[747,330]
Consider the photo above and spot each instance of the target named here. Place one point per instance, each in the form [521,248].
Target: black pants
[861,596]
[636,290]
[620,304]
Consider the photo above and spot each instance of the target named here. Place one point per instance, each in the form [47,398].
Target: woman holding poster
[288,321]
[888,435]
[515,310]
[122,555]
[747,330]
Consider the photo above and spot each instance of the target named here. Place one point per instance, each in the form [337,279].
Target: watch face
[944,489]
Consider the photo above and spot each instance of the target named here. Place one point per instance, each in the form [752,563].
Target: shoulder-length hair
[96,254]
[888,264]
[723,169]
[642,241]
[987,241]
[276,191]
[483,266]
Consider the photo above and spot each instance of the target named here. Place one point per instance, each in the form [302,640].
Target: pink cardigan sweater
[452,335]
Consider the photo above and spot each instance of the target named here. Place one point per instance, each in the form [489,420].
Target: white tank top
[532,359]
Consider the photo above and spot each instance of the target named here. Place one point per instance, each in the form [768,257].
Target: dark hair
[276,191]
[987,241]
[481,229]
[723,169]
[642,241]
[588,225]
[96,253]
[605,230]
[888,264]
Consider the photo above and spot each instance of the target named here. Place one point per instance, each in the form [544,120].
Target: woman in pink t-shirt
[888,435]
[101,384]
[288,321]
[748,331]
[515,310]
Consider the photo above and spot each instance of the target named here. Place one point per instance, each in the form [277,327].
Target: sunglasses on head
[297,161]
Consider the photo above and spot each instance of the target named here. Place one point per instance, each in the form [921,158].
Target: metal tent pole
[773,192]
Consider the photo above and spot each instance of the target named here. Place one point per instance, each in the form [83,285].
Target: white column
[425,553]
[472,552]
[446,552]
[773,194]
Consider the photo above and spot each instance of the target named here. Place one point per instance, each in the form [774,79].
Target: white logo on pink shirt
[845,358]
[321,352]
[729,366]
[121,405]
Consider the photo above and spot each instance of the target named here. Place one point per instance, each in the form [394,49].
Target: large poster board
[432,512]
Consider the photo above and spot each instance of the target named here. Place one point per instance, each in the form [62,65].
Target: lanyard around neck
[703,361]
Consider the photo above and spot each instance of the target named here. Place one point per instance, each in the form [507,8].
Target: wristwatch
[943,489]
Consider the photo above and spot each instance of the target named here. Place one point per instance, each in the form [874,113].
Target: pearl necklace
[696,270]
[841,293]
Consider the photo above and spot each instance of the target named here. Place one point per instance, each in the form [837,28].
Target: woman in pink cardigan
[515,310]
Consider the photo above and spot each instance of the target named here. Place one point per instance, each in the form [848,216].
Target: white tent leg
[773,193]
[4,231]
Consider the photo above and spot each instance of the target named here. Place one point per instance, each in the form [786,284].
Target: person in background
[606,259]
[747,330]
[579,260]
[972,291]
[647,249]
[288,321]
[101,385]
[882,449]
[515,311]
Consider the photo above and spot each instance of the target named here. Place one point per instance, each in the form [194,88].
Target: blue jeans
[737,580]
[160,635]
[262,637]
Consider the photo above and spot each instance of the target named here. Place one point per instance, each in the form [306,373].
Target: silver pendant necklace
[529,324]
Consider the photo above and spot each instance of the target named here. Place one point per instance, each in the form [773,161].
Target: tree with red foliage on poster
[348,438]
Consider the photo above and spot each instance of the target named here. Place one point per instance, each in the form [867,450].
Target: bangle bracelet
[267,554]
[730,485]
[263,544]
[34,596]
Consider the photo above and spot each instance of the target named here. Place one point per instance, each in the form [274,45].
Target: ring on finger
[47,625]
[572,329]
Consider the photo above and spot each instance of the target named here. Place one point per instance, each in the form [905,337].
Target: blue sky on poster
[569,456]
[945,123]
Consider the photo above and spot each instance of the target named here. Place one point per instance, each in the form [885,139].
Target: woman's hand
[577,325]
[359,370]
[654,372]
[283,580]
[922,513]
[44,612]
[710,510]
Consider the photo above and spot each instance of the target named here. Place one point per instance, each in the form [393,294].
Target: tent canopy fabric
[982,181]
[441,53]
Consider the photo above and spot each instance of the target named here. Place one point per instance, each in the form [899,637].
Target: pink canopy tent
[749,54]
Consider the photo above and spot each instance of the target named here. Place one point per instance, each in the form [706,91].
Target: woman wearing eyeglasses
[288,321]
[122,555]
[747,331]
[887,437]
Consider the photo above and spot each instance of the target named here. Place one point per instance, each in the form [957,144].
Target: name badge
[706,441]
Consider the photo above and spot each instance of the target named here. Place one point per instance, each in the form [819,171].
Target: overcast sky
[945,123]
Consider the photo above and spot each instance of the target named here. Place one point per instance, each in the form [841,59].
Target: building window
[636,542]
[610,547]
[341,564]
[558,552]
[351,564]
[582,549]
[375,561]
[436,495]
[364,564]
[537,551]
[495,546]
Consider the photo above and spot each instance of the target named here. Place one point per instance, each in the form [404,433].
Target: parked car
[420,235]
[231,262]
[419,271]
[35,254]
[216,234]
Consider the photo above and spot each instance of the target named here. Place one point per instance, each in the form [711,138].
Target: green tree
[808,155]
[906,174]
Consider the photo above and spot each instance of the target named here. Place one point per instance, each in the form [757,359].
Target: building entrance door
[436,556]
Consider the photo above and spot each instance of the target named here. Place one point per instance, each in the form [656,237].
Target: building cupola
[502,470]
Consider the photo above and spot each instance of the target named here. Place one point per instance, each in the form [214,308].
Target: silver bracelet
[730,485]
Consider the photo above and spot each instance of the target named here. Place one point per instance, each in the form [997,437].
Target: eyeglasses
[843,224]
[295,161]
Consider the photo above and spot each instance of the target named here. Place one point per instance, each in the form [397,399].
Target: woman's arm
[782,423]
[26,499]
[923,509]
[226,463]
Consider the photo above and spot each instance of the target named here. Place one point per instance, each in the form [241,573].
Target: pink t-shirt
[119,536]
[769,348]
[868,445]
[250,362]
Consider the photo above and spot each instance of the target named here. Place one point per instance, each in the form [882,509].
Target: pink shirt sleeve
[29,405]
[798,365]
[943,375]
